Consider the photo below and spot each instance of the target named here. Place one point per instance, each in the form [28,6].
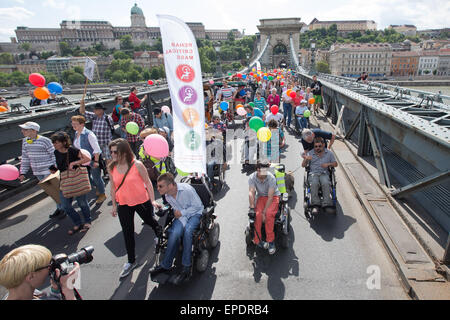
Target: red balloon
[275,70]
[150,82]
[282,83]
[274,109]
[239,75]
[37,79]
[251,73]
[293,94]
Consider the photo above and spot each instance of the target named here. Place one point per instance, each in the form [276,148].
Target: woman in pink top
[131,191]
[273,98]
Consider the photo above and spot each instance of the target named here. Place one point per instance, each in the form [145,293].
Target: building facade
[148,59]
[32,66]
[85,33]
[344,26]
[351,60]
[443,68]
[405,63]
[428,62]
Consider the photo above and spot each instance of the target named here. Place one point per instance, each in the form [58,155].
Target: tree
[6,58]
[230,36]
[323,67]
[25,46]
[126,43]
[120,55]
[118,76]
[76,78]
[65,49]
[157,46]
[18,78]
[49,77]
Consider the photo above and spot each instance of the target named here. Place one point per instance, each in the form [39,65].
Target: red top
[137,102]
[273,100]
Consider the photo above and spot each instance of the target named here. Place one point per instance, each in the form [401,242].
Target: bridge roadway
[327,259]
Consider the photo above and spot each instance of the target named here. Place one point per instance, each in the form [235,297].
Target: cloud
[54,4]
[15,14]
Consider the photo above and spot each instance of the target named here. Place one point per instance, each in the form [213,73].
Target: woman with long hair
[69,158]
[131,191]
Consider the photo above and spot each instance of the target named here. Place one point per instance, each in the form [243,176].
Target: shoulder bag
[74,183]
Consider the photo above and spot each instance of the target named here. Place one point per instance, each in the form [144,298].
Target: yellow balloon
[264,134]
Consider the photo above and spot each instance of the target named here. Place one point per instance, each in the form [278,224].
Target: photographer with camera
[26,268]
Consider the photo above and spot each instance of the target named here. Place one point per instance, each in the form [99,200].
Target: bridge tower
[279,50]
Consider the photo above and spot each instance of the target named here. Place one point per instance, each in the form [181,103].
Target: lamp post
[218,64]
[313,60]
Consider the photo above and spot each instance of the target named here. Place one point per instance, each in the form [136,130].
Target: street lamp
[313,60]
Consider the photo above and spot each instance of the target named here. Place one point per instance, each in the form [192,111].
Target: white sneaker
[127,267]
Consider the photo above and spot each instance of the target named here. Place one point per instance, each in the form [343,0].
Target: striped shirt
[38,155]
[260,103]
[227,93]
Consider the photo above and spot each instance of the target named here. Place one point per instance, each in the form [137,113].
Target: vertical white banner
[89,69]
[184,77]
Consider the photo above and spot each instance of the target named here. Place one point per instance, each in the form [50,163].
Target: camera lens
[82,256]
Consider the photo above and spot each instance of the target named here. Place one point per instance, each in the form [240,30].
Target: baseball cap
[30,126]
[303,101]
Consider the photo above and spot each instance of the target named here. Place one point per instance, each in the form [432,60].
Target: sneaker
[272,248]
[101,198]
[157,270]
[58,213]
[127,267]
[315,210]
[263,245]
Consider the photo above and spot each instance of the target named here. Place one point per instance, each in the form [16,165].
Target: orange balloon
[3,109]
[311,101]
[289,92]
[239,106]
[42,93]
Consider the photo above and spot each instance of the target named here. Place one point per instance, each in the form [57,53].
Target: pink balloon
[8,172]
[211,81]
[87,154]
[165,109]
[156,146]
[241,111]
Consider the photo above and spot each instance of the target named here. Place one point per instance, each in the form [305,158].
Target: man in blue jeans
[287,109]
[188,210]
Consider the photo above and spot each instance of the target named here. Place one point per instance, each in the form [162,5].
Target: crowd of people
[132,173]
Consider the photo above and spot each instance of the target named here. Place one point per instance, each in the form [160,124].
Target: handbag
[114,135]
[74,183]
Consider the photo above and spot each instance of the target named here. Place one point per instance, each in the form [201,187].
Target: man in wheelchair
[216,153]
[188,209]
[318,161]
[264,198]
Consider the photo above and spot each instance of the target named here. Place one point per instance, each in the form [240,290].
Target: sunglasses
[42,268]
[317,147]
[113,151]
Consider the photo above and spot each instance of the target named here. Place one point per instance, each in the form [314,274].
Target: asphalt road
[329,258]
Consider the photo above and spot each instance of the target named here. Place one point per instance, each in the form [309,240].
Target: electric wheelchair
[205,238]
[307,192]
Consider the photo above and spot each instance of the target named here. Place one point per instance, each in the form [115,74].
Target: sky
[223,14]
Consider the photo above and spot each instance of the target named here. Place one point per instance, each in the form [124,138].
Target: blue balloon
[224,105]
[244,76]
[258,113]
[55,88]
[242,92]
[265,78]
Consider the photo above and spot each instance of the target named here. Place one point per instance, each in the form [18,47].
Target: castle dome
[136,10]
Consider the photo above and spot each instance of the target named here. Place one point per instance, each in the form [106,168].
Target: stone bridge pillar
[279,51]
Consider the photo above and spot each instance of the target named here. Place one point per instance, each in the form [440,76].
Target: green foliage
[47,54]
[126,43]
[6,58]
[157,46]
[17,78]
[323,67]
[324,38]
[50,77]
[73,76]
[120,55]
[25,46]
[76,78]
[65,49]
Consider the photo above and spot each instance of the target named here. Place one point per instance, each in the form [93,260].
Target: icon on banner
[185,73]
[188,95]
[192,140]
[191,117]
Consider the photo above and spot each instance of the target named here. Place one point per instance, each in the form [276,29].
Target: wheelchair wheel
[213,236]
[202,260]
[248,237]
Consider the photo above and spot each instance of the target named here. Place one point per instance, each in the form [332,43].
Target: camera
[65,263]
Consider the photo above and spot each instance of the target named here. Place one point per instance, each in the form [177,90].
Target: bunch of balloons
[42,92]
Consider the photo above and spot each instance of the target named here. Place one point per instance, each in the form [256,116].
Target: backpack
[114,115]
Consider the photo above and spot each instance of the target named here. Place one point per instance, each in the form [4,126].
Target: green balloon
[270,78]
[256,123]
[132,128]
[251,104]
[307,113]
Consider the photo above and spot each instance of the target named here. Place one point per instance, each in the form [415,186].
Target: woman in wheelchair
[319,160]
[187,209]
[264,198]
